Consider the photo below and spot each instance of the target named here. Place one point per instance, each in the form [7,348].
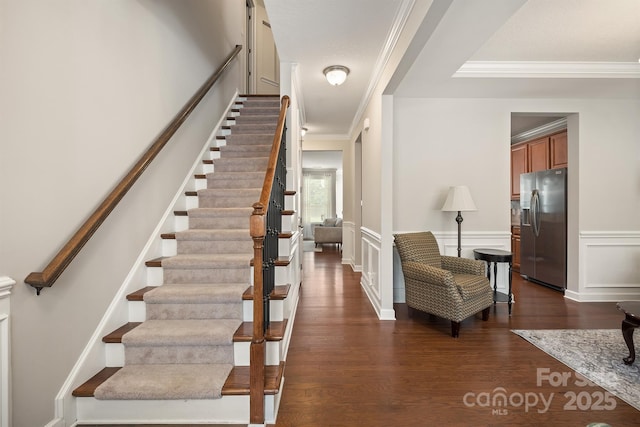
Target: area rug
[596,354]
[310,246]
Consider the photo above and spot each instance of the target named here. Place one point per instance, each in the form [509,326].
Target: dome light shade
[336,74]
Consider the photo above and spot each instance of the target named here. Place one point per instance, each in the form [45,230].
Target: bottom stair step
[237,382]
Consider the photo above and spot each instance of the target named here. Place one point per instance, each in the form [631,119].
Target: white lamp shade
[459,199]
[336,74]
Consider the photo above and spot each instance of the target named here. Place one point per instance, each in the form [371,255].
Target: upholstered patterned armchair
[449,287]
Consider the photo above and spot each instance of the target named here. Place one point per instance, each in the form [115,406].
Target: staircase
[183,357]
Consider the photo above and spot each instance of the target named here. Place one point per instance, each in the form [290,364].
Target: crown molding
[385,53]
[548,69]
[540,131]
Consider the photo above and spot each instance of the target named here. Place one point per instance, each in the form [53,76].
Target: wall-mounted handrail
[63,258]
[258,229]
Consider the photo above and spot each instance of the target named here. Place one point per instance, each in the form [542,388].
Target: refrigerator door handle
[535,212]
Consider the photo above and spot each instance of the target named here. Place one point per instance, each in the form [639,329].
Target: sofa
[330,231]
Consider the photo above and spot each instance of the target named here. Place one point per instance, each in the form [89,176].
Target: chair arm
[427,273]
[463,265]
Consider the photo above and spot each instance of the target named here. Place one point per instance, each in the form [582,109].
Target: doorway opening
[322,189]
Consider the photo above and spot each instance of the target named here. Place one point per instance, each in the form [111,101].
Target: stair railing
[63,258]
[265,227]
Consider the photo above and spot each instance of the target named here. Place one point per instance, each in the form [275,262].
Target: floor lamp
[459,199]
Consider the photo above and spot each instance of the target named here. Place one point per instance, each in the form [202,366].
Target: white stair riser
[276,310]
[169,247]
[154,276]
[137,311]
[208,168]
[288,223]
[289,203]
[181,222]
[200,184]
[191,202]
[242,354]
[229,409]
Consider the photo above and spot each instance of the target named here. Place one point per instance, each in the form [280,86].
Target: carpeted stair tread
[182,332]
[255,118]
[198,261]
[246,150]
[251,128]
[196,293]
[165,382]
[205,234]
[236,175]
[241,164]
[230,192]
[259,139]
[212,218]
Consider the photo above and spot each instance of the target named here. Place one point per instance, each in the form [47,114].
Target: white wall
[443,142]
[86,86]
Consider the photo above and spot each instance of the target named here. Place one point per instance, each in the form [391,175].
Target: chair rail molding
[6,284]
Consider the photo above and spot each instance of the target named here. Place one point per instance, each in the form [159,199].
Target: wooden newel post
[257,348]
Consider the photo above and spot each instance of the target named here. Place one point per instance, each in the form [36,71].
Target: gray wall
[86,86]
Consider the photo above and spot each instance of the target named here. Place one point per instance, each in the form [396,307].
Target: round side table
[495,256]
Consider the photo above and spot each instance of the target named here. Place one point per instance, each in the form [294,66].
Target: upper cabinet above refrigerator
[549,152]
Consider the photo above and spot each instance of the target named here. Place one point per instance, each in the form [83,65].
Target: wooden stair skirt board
[179,341]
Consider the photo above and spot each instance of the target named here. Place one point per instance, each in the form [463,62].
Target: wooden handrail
[258,233]
[63,258]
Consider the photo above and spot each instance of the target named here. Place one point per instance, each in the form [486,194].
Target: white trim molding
[544,130]
[6,284]
[549,69]
[370,279]
[349,244]
[608,267]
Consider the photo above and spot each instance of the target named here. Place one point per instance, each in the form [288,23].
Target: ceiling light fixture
[303,131]
[336,74]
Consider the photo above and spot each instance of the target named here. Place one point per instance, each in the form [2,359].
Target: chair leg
[410,311]
[455,329]
[485,313]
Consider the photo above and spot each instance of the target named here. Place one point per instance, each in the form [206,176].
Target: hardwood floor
[347,368]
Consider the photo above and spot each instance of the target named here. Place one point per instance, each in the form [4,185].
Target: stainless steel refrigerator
[543,227]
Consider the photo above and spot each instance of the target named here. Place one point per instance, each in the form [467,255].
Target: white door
[266,66]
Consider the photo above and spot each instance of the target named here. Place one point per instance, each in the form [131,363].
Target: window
[318,197]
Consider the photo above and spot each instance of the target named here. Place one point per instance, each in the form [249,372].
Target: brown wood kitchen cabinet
[539,155]
[558,150]
[519,165]
[549,152]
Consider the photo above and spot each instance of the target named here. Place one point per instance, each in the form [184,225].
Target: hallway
[347,368]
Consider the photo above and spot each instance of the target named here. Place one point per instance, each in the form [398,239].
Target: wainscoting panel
[370,280]
[349,244]
[609,266]
[448,243]
[6,284]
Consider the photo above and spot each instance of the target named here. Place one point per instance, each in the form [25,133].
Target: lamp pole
[459,221]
